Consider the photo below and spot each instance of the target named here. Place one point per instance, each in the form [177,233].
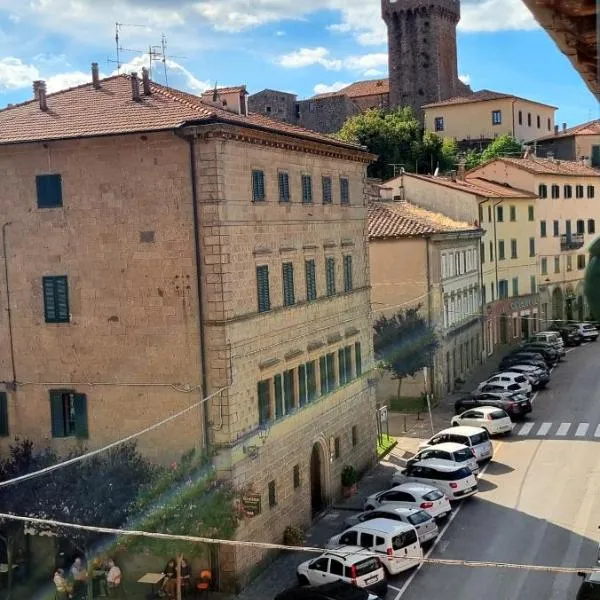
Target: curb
[387,451]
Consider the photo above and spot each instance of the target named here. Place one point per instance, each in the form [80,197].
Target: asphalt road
[539,501]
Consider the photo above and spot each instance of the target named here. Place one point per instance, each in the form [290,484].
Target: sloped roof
[84,111]
[226,90]
[480,96]
[389,220]
[588,128]
[544,166]
[369,87]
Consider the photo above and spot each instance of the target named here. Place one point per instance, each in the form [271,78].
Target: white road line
[581,429]
[534,397]
[393,587]
[597,432]
[526,429]
[433,546]
[563,429]
[544,429]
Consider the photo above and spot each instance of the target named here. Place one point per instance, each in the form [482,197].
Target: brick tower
[422,51]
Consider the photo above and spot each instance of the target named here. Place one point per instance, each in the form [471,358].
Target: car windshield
[461,473]
[497,414]
[462,455]
[520,379]
[433,495]
[418,518]
[479,438]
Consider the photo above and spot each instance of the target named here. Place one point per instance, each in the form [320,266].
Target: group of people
[74,585]
[169,583]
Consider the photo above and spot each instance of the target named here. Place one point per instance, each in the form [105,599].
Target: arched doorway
[317,495]
[557,304]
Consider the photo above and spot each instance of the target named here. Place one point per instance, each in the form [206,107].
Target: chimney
[146,82]
[95,76]
[135,87]
[462,167]
[36,89]
[42,95]
[556,130]
[564,127]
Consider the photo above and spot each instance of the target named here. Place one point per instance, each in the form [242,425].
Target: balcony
[572,241]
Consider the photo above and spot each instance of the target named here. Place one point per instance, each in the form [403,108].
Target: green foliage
[385,443]
[349,476]
[472,159]
[504,145]
[398,138]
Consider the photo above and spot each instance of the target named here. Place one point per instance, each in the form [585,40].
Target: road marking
[563,429]
[393,587]
[544,429]
[597,432]
[534,397]
[581,429]
[526,429]
[439,537]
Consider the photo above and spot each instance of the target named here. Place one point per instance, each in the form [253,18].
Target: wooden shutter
[284,187]
[311,283]
[348,360]
[278,396]
[306,189]
[341,366]
[56,299]
[311,381]
[344,191]
[323,375]
[302,399]
[330,274]
[347,273]
[49,191]
[288,390]
[57,415]
[81,415]
[258,186]
[327,198]
[358,359]
[262,283]
[263,402]
[288,284]
[331,371]
[3,414]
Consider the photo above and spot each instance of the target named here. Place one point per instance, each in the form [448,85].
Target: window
[489,213]
[56,299]
[555,191]
[513,248]
[556,227]
[357,359]
[336,448]
[581,261]
[262,283]
[264,402]
[580,226]
[528,119]
[482,252]
[326,366]
[591,226]
[344,191]
[500,218]
[296,476]
[306,189]
[310,273]
[480,214]
[272,498]
[327,195]
[496,117]
[513,213]
[336,568]
[491,251]
[501,250]
[344,369]
[543,229]
[49,191]
[569,262]
[567,191]
[531,247]
[354,436]
[68,414]
[307,383]
[347,273]
[538,122]
[530,213]
[502,289]
[549,124]
[578,191]
[279,399]
[544,266]
[543,190]
[289,392]
[557,264]
[4,416]
[590,191]
[439,123]
[520,117]
[284,187]
[330,275]
[492,290]
[258,186]
[515,286]
[532,284]
[288,284]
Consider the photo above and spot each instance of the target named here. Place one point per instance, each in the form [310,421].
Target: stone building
[581,142]
[423,257]
[160,248]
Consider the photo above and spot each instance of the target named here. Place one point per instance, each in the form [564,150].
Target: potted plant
[349,480]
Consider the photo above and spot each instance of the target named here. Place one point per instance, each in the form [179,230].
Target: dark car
[590,586]
[570,336]
[516,406]
[521,359]
[336,590]
[550,355]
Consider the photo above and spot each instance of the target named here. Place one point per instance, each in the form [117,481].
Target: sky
[299,46]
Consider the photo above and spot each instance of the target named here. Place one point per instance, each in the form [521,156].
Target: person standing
[62,585]
[79,576]
[113,577]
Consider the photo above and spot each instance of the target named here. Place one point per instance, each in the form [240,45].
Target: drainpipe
[496,245]
[481,284]
[513,120]
[8,309]
[198,257]
[428,267]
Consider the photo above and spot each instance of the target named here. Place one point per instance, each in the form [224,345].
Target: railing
[571,241]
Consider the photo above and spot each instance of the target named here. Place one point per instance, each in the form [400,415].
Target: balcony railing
[572,241]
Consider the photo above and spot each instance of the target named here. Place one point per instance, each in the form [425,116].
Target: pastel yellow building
[485,115]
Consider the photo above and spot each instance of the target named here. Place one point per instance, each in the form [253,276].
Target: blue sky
[302,46]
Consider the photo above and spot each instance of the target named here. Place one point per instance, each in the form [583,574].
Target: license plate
[371,579]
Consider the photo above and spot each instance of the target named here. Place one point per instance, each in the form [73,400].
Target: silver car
[451,453]
[474,437]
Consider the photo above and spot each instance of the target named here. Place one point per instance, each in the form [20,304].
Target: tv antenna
[119,48]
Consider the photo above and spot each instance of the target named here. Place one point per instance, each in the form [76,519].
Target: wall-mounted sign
[523,303]
[251,504]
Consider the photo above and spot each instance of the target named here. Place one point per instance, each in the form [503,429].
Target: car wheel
[302,580]
[454,424]
[369,507]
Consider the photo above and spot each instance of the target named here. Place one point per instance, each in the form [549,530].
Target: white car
[587,331]
[412,495]
[456,482]
[537,377]
[451,453]
[494,420]
[476,438]
[508,378]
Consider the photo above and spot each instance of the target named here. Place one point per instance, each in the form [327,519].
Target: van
[397,543]
[473,437]
[550,337]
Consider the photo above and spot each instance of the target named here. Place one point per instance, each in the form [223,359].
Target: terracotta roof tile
[370,87]
[589,128]
[545,166]
[388,220]
[226,90]
[84,111]
[480,96]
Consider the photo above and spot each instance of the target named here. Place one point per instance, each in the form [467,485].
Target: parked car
[588,331]
[549,337]
[571,336]
[396,543]
[537,377]
[509,377]
[424,523]
[515,405]
[473,437]
[450,452]
[412,495]
[494,420]
[524,358]
[350,564]
[455,481]
[549,352]
[336,590]
[590,586]
[500,387]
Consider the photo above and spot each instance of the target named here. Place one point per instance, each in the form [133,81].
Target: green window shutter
[532,283]
[327,195]
[348,360]
[531,246]
[330,276]
[311,280]
[49,191]
[331,383]
[3,414]
[56,299]
[284,187]
[515,286]
[341,367]
[57,415]
[288,390]
[344,191]
[258,186]
[311,381]
[530,213]
[323,376]
[358,359]
[278,396]
[81,416]
[306,189]
[263,402]
[262,284]
[288,284]
[348,273]
[302,397]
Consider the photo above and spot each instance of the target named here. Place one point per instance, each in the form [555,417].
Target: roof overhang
[573,25]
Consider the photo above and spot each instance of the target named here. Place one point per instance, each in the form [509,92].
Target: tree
[404,343]
[472,159]
[398,139]
[505,145]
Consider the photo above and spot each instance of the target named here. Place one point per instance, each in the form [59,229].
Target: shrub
[293,536]
[349,476]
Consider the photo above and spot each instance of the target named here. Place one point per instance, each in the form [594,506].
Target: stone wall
[275,104]
[328,114]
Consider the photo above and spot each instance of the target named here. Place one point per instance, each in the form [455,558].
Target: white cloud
[366,61]
[280,33]
[15,74]
[466,79]
[323,88]
[495,15]
[374,73]
[305,57]
[62,81]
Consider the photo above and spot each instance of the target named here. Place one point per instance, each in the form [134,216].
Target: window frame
[330,284]
[530,212]
[555,191]
[344,191]
[283,182]
[542,190]
[327,189]
[310,278]
[288,287]
[543,228]
[259,191]
[497,117]
[306,188]
[74,424]
[348,273]
[263,300]
[55,315]
[514,249]
[438,123]
[512,213]
[43,182]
